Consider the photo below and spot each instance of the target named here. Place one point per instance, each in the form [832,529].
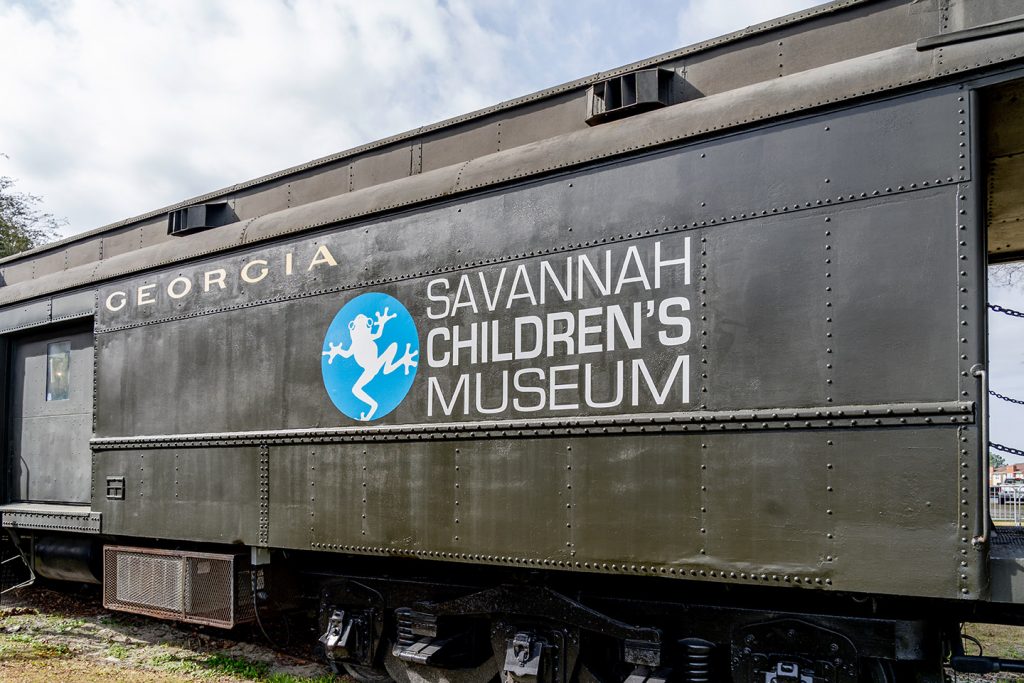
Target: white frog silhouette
[364,348]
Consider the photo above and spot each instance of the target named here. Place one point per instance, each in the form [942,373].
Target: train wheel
[404,672]
[877,671]
[367,674]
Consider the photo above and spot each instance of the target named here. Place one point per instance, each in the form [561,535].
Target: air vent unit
[629,94]
[200,588]
[199,217]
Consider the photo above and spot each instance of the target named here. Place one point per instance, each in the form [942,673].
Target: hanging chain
[1006,449]
[1006,398]
[998,446]
[1008,311]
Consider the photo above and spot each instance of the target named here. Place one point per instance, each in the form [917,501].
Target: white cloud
[124,107]
[703,19]
[115,108]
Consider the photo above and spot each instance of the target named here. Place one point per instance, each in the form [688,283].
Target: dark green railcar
[678,371]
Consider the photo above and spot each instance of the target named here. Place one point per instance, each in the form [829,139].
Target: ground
[65,635]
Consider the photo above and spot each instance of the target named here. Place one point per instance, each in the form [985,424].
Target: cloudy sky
[116,107]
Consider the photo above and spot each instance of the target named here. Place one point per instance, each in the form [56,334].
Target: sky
[112,108]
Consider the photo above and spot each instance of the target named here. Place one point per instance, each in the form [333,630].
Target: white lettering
[122,297]
[262,272]
[323,255]
[145,295]
[217,277]
[431,313]
[171,292]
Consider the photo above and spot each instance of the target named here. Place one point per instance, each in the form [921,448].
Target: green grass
[1006,642]
[236,666]
[254,671]
[117,651]
[65,625]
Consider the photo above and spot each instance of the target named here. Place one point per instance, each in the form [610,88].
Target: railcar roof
[531,99]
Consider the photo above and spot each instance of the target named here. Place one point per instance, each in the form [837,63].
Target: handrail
[984,504]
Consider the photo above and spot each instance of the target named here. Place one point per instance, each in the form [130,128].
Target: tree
[995,460]
[1007,274]
[23,224]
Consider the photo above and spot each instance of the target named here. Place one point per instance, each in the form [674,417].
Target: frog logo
[360,360]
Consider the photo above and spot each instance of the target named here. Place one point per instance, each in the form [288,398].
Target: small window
[58,370]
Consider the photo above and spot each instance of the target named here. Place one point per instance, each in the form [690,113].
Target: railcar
[678,371]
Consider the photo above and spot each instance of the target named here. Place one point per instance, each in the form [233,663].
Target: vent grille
[200,588]
[199,217]
[629,94]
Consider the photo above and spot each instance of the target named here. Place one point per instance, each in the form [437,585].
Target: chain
[1006,398]
[1006,449]
[1008,311]
[998,446]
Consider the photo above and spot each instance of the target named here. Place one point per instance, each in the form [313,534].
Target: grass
[66,625]
[226,665]
[1006,642]
[27,649]
[236,666]
[117,651]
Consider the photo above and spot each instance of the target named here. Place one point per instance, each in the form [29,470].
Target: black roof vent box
[199,217]
[628,94]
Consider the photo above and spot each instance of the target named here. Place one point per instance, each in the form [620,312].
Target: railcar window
[58,371]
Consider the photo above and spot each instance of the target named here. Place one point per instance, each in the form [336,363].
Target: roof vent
[629,94]
[199,217]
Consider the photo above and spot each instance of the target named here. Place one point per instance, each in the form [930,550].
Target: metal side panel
[199,494]
[49,517]
[50,430]
[16,318]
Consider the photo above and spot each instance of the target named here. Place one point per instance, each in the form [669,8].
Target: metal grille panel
[201,588]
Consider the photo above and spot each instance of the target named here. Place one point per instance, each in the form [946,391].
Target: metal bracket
[788,672]
[347,638]
[523,658]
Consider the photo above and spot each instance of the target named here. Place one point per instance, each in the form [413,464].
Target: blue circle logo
[369,356]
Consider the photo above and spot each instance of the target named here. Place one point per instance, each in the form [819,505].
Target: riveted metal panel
[73,305]
[261,200]
[730,67]
[892,332]
[894,497]
[120,242]
[381,167]
[963,14]
[154,232]
[50,438]
[501,485]
[197,494]
[320,184]
[46,517]
[377,496]
[879,26]
[28,315]
[542,120]
[765,502]
[292,482]
[453,147]
[635,499]
[765,311]
[81,253]
[18,271]
[49,263]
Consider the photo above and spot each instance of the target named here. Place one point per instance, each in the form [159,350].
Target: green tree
[23,224]
[995,459]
